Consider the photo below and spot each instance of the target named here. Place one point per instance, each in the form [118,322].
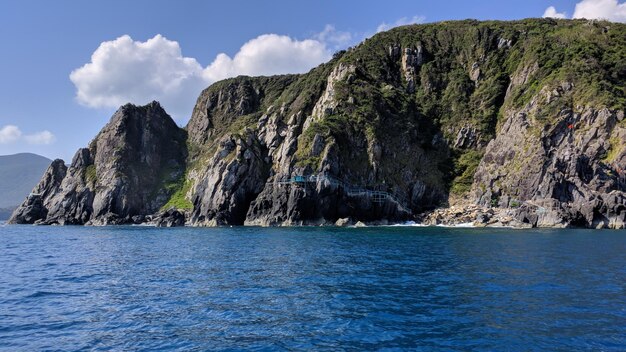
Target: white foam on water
[415,224]
[407,224]
[463,225]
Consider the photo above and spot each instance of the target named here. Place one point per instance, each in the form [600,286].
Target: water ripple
[389,289]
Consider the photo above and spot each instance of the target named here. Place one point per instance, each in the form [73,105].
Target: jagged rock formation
[124,172]
[558,174]
[166,218]
[34,209]
[515,122]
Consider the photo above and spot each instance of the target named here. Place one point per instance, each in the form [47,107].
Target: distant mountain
[19,173]
[5,213]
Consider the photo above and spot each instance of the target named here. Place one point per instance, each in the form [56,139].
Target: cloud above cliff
[602,9]
[125,70]
[12,134]
[335,38]
[269,54]
[611,10]
[551,12]
[400,22]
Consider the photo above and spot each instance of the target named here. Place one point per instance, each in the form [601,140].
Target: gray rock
[467,137]
[411,60]
[561,175]
[342,222]
[504,43]
[169,218]
[31,211]
[34,208]
[236,174]
[122,174]
[318,145]
[138,219]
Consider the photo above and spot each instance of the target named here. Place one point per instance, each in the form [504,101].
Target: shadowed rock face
[237,182]
[121,174]
[34,209]
[557,175]
[516,123]
[136,154]
[233,178]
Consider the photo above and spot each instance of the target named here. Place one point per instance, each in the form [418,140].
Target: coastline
[458,216]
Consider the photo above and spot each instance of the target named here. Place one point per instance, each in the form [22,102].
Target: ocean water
[385,288]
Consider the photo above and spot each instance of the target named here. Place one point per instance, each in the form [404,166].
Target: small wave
[39,294]
[461,225]
[415,224]
[408,224]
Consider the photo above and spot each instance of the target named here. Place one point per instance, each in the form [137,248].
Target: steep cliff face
[126,171]
[250,135]
[568,172]
[34,209]
[411,112]
[524,119]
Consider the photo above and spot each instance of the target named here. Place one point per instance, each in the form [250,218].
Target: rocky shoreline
[473,216]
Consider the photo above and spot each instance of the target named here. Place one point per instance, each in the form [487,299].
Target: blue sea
[292,289]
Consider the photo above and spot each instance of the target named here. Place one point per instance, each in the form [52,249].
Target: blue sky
[54,97]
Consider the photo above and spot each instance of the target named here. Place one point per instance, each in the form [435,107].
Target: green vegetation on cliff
[416,106]
[91,178]
[235,104]
[514,112]
[178,190]
[468,74]
[465,167]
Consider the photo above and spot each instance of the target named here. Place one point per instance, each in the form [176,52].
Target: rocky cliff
[517,123]
[126,172]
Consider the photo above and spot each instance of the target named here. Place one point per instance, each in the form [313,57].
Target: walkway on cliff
[377,196]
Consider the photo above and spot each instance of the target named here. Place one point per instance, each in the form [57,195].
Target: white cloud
[9,134]
[610,10]
[552,13]
[400,22]
[332,37]
[124,70]
[601,9]
[43,137]
[269,54]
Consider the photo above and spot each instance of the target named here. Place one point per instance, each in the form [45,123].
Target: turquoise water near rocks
[386,288]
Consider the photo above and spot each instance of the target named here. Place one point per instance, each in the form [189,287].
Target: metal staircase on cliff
[377,196]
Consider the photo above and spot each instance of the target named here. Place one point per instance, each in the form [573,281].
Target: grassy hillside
[471,74]
[411,110]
